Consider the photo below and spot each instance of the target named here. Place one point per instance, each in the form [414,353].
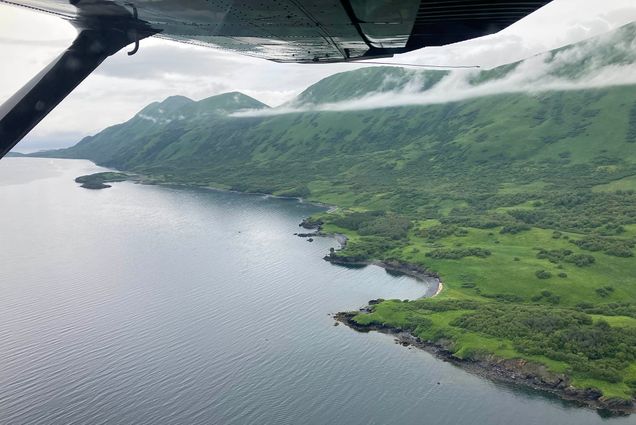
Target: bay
[158,305]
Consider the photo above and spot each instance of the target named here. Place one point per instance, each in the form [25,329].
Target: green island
[524,204]
[99,180]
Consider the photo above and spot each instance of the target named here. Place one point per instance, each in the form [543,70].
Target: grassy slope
[472,278]
[557,161]
[434,162]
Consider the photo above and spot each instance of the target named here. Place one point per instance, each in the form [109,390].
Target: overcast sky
[123,85]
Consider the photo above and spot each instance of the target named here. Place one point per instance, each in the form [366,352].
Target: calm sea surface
[152,305]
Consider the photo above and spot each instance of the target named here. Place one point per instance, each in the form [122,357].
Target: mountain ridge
[390,82]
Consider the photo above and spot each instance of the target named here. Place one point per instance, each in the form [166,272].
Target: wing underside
[308,31]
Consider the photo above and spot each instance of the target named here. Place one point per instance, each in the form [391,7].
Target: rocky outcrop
[392,267]
[311,224]
[95,185]
[515,371]
[308,235]
[99,180]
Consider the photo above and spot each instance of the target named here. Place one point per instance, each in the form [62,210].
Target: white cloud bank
[604,61]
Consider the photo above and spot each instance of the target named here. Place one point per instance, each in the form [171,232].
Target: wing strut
[94,43]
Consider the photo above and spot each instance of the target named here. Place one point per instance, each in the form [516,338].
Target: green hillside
[524,203]
[351,85]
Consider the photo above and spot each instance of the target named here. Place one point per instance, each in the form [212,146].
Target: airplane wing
[313,31]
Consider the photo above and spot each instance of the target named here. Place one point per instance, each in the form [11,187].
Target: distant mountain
[153,129]
[355,84]
[491,122]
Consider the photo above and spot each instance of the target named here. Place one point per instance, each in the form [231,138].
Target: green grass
[499,176]
[424,320]
[508,276]
[627,183]
[103,177]
[501,274]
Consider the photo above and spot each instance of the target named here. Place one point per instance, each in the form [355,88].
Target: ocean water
[156,305]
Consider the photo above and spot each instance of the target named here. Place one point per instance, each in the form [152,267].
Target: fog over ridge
[603,61]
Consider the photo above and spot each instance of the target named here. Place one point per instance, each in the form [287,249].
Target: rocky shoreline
[98,181]
[397,268]
[518,372]
[316,226]
[392,267]
[513,371]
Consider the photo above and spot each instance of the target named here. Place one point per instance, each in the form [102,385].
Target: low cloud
[600,62]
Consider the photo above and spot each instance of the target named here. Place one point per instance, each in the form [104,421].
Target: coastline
[398,268]
[518,372]
[393,267]
[147,180]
